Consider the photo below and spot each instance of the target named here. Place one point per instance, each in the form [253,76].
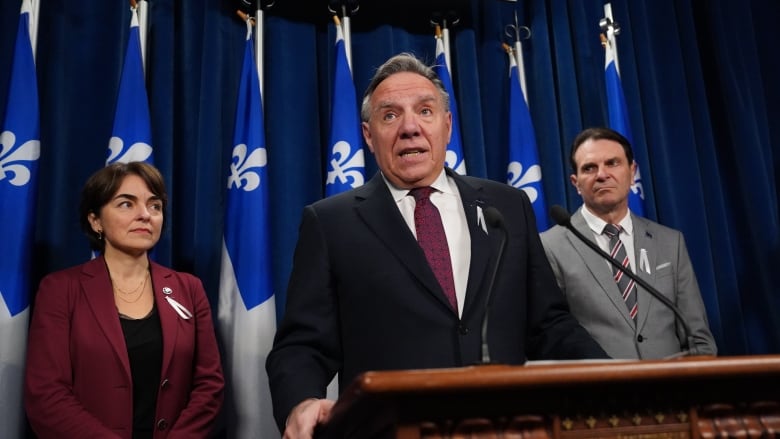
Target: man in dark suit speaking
[395,274]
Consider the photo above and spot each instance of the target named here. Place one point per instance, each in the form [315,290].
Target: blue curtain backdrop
[700,79]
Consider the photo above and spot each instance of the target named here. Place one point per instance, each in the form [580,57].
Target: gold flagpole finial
[604,41]
[244,16]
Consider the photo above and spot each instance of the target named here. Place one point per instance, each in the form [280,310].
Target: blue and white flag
[19,152]
[247,311]
[346,163]
[131,138]
[454,158]
[524,171]
[618,119]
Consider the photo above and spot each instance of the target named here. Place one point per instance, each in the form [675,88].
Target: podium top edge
[564,372]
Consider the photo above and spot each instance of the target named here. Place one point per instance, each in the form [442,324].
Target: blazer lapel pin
[481,217]
[178,307]
[644,264]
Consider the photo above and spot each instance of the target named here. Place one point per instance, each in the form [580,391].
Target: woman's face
[132,219]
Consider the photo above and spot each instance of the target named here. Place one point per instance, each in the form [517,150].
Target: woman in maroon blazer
[121,347]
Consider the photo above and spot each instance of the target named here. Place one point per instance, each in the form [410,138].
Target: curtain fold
[700,80]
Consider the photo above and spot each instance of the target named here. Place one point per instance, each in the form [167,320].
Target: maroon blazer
[78,383]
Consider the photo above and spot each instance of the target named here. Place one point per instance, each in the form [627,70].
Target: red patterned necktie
[430,235]
[625,284]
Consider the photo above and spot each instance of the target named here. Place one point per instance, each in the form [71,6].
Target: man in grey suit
[364,294]
[604,167]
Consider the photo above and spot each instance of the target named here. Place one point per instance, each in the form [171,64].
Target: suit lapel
[163,282]
[643,240]
[473,199]
[599,268]
[376,207]
[97,285]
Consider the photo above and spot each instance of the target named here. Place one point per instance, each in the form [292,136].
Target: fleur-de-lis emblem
[637,187]
[522,181]
[12,160]
[137,152]
[241,174]
[452,161]
[346,168]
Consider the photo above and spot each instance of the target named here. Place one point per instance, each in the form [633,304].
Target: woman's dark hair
[101,187]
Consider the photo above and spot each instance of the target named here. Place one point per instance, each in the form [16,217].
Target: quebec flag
[131,138]
[618,120]
[524,171]
[247,311]
[346,163]
[454,158]
[19,152]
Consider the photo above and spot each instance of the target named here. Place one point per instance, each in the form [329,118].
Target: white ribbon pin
[178,307]
[644,264]
[481,219]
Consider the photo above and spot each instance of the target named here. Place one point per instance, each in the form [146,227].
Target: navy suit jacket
[78,382]
[362,296]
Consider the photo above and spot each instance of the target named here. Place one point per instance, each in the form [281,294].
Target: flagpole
[342,23]
[258,20]
[346,28]
[143,27]
[260,47]
[442,21]
[36,7]
[514,31]
[348,8]
[445,37]
[609,26]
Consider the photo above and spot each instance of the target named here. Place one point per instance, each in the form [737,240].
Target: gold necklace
[134,290]
[137,290]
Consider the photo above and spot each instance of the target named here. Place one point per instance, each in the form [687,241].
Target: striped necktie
[626,285]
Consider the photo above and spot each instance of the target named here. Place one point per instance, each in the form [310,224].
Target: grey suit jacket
[594,299]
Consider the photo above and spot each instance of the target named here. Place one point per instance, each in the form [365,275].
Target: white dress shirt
[447,199]
[597,224]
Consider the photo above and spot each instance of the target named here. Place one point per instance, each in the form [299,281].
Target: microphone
[563,218]
[495,220]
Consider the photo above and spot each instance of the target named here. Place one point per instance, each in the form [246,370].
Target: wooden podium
[691,397]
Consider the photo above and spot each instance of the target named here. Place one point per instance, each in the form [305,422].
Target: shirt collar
[441,184]
[597,224]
